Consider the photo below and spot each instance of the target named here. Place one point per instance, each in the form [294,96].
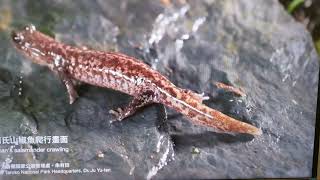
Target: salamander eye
[16,37]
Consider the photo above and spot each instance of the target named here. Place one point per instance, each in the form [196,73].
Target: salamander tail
[206,116]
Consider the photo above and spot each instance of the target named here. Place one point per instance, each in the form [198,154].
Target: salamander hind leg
[136,103]
[235,90]
[196,96]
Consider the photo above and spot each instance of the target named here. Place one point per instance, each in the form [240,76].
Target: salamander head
[33,44]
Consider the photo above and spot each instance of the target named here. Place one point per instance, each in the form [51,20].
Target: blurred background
[308,13]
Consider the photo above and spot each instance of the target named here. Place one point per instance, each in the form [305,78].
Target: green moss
[317,43]
[43,15]
[293,5]
[43,18]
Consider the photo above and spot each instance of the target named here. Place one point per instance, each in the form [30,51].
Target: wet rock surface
[252,45]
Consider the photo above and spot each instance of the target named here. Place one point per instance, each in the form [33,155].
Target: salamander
[122,73]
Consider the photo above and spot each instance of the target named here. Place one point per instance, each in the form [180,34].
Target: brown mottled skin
[123,73]
[236,91]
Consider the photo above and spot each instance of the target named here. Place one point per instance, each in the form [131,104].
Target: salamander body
[122,73]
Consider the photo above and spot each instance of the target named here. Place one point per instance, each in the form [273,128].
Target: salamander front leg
[73,95]
[133,106]
[58,67]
